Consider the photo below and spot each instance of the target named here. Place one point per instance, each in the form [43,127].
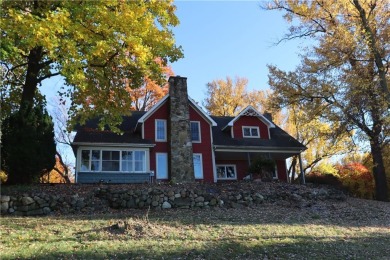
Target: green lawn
[265,232]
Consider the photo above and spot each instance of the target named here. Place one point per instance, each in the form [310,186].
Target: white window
[85,160]
[127,161]
[226,172]
[250,131]
[113,161]
[162,166]
[161,130]
[198,166]
[195,131]
[110,161]
[139,161]
[95,160]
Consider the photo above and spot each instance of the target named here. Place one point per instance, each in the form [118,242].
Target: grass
[265,232]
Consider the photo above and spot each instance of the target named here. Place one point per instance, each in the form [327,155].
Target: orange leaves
[357,179]
[146,96]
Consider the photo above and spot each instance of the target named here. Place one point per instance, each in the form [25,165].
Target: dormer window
[250,132]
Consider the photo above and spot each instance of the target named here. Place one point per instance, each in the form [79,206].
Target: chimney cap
[177,77]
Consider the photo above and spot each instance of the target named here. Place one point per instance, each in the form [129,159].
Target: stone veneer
[180,157]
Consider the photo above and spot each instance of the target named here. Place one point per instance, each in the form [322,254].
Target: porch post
[249,158]
[303,181]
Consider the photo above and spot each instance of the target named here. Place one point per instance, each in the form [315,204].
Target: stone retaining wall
[199,196]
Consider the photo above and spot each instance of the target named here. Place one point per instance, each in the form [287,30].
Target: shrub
[263,167]
[3,177]
[28,145]
[323,178]
[357,179]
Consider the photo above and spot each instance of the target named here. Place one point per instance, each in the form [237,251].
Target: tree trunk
[291,170]
[379,171]
[30,85]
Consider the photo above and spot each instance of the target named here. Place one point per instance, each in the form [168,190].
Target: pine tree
[28,145]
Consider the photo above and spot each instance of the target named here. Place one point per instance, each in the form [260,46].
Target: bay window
[112,160]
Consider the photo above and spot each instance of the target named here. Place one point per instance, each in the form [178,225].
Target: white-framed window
[127,161]
[110,161]
[195,131]
[226,172]
[198,165]
[250,131]
[161,166]
[161,130]
[105,160]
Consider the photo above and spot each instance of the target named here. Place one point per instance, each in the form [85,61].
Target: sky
[220,39]
[230,38]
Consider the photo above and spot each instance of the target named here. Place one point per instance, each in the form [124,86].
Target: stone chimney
[268,115]
[181,161]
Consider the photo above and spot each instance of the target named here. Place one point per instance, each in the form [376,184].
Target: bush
[3,177]
[357,179]
[323,178]
[28,145]
[263,167]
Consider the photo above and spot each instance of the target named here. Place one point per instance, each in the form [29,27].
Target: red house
[176,140]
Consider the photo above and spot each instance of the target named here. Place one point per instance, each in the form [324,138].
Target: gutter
[225,148]
[113,144]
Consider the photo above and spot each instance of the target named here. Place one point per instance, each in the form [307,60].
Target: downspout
[303,181]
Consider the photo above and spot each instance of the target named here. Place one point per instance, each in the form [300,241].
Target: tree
[28,145]
[319,136]
[92,45]
[343,77]
[62,168]
[150,92]
[228,98]
[60,172]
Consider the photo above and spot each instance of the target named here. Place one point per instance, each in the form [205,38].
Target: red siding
[282,171]
[149,133]
[204,147]
[250,121]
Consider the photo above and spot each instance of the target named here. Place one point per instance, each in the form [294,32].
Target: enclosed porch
[233,164]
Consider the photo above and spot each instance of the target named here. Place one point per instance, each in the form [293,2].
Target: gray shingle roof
[89,134]
[279,138]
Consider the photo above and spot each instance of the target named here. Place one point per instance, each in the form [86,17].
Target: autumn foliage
[357,179]
[353,177]
[56,175]
[150,92]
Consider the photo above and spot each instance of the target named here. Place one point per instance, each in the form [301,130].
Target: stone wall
[94,199]
[180,158]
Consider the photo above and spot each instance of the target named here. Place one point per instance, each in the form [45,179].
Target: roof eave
[259,115]
[152,110]
[258,148]
[211,121]
[141,145]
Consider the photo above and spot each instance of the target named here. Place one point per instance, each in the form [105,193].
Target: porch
[238,160]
